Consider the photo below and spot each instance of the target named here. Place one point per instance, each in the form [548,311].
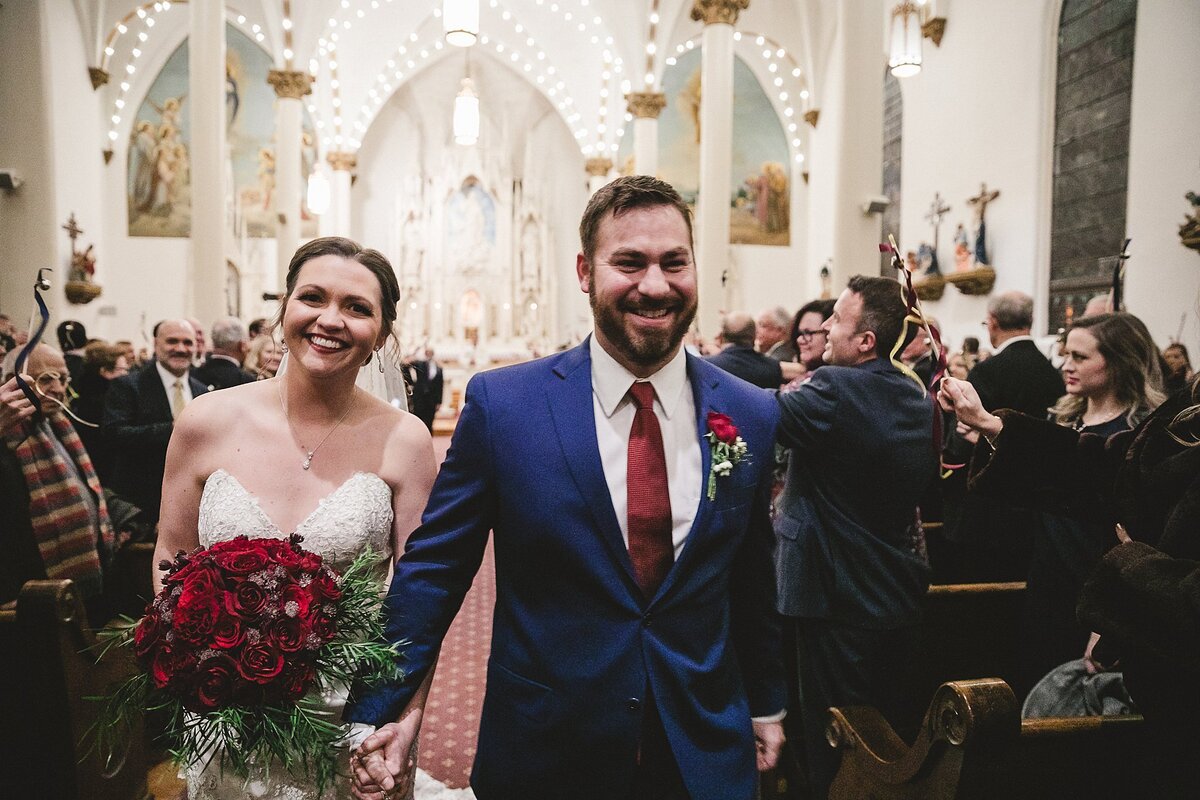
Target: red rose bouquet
[239,635]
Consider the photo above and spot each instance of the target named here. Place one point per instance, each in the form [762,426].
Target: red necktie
[649,500]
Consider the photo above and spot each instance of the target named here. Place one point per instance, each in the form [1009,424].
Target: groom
[634,634]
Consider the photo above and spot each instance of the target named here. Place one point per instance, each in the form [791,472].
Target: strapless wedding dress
[351,518]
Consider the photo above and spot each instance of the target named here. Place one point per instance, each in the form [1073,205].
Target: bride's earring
[379,359]
[283,348]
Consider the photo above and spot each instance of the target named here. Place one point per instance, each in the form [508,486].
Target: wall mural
[470,227]
[158,189]
[760,202]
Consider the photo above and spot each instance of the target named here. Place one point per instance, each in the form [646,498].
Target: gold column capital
[598,166]
[99,77]
[645,105]
[714,11]
[290,83]
[812,115]
[342,160]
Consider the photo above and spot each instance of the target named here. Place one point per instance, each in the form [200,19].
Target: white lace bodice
[352,517]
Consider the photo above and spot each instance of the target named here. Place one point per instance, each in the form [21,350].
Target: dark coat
[862,455]
[221,373]
[576,646]
[427,391]
[1143,597]
[749,365]
[137,425]
[1018,377]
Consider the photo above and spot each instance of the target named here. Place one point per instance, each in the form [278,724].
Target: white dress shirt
[168,382]
[675,408]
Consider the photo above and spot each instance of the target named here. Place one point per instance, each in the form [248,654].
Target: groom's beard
[645,348]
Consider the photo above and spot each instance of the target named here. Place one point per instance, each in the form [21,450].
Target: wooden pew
[971,630]
[46,672]
[973,745]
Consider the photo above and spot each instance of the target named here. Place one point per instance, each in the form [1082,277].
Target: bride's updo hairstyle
[380,267]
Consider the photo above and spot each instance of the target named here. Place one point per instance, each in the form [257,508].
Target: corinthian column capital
[290,82]
[341,160]
[713,11]
[598,166]
[645,105]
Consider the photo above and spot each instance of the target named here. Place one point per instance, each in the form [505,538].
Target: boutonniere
[726,446]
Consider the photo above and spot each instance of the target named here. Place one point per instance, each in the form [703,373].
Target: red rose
[287,557]
[233,545]
[243,561]
[303,599]
[214,684]
[298,681]
[325,586]
[227,632]
[722,427]
[260,662]
[149,631]
[170,663]
[247,600]
[310,562]
[287,633]
[323,626]
[194,621]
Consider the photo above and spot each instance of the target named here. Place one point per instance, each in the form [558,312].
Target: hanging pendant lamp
[904,59]
[460,21]
[466,114]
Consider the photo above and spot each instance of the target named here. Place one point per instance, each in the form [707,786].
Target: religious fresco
[760,202]
[470,227]
[158,188]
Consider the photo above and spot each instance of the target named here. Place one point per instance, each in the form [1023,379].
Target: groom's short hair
[624,194]
[883,311]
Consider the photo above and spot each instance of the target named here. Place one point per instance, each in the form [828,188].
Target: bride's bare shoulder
[219,411]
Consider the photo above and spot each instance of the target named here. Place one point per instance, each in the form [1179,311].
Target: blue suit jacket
[576,650]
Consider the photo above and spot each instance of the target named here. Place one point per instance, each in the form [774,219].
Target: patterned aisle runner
[451,725]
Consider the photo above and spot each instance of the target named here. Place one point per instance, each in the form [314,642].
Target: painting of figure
[470,227]
[158,185]
[760,200]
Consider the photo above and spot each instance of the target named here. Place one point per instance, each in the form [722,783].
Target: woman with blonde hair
[264,356]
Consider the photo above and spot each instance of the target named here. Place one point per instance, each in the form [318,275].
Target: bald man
[140,411]
[738,356]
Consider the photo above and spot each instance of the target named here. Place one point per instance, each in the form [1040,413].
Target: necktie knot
[643,395]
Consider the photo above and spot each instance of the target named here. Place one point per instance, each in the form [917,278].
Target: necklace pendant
[307,461]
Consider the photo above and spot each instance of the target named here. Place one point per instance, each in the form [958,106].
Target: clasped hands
[385,764]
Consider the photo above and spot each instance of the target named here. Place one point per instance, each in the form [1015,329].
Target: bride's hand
[384,766]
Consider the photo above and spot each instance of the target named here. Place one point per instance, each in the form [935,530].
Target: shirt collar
[1013,340]
[167,378]
[611,381]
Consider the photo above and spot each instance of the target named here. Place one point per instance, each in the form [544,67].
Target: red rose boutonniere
[728,449]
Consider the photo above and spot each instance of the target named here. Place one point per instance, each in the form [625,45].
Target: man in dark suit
[428,386]
[140,411]
[847,563]
[635,637]
[738,357]
[773,334]
[995,537]
[223,366]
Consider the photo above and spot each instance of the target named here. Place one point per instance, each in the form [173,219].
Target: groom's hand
[385,764]
[768,742]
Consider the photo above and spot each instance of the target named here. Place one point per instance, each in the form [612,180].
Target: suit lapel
[569,395]
[154,395]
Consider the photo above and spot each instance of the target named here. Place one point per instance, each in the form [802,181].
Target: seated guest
[1113,383]
[140,411]
[1179,368]
[771,334]
[102,363]
[53,517]
[1142,597]
[738,356]
[223,366]
[807,333]
[262,360]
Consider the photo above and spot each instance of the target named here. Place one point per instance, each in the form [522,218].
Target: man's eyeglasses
[48,379]
[807,336]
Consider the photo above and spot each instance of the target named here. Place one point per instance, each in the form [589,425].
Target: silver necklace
[308,454]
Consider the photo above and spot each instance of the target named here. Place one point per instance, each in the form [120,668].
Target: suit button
[635,704]
[646,618]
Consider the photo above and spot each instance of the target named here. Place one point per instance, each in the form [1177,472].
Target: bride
[305,452]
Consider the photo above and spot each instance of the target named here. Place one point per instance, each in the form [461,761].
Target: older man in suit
[140,412]
[849,568]
[222,367]
[634,635]
[738,356]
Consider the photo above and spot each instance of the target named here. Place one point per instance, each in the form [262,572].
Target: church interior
[165,159]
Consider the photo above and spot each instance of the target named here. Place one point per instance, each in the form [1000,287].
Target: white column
[845,148]
[206,98]
[343,164]
[597,170]
[716,155]
[645,107]
[290,86]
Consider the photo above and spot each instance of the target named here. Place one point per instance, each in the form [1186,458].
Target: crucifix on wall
[980,203]
[937,209]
